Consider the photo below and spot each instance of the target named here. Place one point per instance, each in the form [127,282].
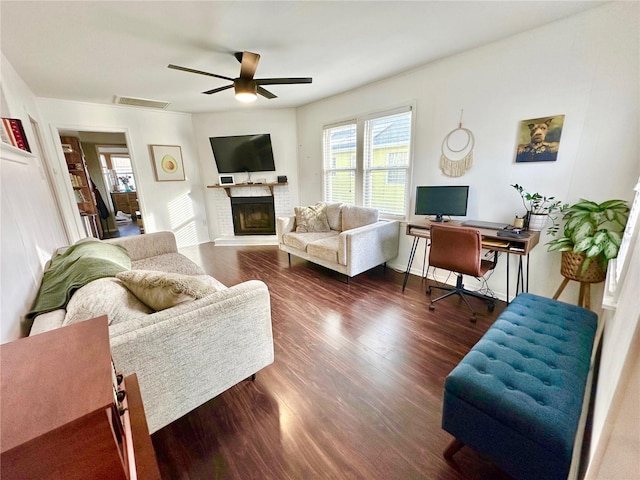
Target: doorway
[119,179]
[110,170]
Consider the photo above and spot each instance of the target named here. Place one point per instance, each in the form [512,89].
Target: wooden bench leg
[452,448]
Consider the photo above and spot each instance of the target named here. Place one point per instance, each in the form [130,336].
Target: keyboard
[489,225]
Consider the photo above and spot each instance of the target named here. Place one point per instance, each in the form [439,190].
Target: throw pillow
[161,290]
[105,296]
[312,218]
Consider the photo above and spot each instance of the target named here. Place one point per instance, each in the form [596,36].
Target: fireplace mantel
[228,188]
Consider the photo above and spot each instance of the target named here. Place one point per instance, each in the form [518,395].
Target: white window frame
[360,170]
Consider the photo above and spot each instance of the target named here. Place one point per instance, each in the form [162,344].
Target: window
[339,151]
[367,162]
[116,164]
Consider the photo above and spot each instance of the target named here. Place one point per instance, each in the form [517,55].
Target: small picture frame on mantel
[226,180]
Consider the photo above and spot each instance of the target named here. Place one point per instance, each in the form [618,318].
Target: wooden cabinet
[126,202]
[61,418]
[81,183]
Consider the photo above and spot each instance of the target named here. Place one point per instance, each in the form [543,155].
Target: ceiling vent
[140,102]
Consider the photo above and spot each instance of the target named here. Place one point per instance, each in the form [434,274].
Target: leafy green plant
[594,229]
[538,204]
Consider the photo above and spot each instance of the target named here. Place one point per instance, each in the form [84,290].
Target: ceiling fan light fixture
[246,97]
[246,90]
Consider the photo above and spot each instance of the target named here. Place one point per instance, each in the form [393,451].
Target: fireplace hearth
[253,215]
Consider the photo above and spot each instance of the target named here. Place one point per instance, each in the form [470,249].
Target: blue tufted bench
[517,395]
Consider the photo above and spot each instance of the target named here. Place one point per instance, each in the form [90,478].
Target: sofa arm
[365,247]
[285,225]
[147,245]
[188,354]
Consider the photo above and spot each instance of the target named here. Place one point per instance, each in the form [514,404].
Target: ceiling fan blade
[282,81]
[216,90]
[191,70]
[249,64]
[266,93]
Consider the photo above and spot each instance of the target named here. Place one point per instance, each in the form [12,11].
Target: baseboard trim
[246,240]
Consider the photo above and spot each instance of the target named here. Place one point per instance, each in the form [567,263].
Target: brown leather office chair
[459,249]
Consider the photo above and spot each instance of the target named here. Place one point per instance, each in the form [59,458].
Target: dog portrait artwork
[539,139]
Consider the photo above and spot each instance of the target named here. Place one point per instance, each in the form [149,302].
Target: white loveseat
[184,355]
[354,242]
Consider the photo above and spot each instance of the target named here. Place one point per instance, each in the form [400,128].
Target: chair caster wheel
[491,307]
[429,291]
[431,307]
[474,319]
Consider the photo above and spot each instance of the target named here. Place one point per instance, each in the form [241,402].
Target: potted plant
[591,237]
[539,209]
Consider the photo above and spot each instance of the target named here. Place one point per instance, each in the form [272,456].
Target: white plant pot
[537,222]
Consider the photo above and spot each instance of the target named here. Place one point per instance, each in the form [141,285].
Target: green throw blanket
[79,265]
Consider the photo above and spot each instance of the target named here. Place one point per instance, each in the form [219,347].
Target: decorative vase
[537,221]
[571,268]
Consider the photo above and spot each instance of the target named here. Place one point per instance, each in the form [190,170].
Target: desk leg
[424,259]
[412,254]
[508,256]
[527,273]
[520,276]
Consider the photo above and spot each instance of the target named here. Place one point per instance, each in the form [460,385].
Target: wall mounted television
[442,201]
[243,153]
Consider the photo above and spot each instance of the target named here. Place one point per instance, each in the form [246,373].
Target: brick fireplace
[224,203]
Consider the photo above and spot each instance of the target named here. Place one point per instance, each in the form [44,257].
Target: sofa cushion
[312,218]
[105,296]
[354,217]
[168,262]
[334,215]
[300,241]
[161,290]
[327,249]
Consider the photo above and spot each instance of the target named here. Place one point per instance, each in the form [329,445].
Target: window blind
[386,147]
[339,152]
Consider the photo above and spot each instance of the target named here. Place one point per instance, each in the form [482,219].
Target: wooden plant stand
[570,270]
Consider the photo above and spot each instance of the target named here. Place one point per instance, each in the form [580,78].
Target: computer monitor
[442,200]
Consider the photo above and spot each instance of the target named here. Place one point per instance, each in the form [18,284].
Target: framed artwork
[539,139]
[167,163]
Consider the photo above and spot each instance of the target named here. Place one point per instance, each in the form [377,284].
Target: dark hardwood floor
[356,387]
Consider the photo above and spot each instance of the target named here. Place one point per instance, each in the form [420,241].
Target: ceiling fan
[246,87]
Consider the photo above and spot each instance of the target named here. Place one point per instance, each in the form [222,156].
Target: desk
[490,240]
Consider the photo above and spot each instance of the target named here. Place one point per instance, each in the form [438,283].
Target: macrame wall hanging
[458,166]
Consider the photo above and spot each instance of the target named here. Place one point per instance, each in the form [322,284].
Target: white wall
[31,228]
[177,206]
[615,435]
[585,67]
[281,124]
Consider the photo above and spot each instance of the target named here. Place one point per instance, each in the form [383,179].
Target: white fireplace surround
[281,203]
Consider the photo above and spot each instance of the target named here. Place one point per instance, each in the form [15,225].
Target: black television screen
[442,200]
[243,153]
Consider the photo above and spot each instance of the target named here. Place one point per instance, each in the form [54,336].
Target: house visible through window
[367,162]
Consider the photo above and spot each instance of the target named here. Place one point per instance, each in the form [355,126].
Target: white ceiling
[92,51]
